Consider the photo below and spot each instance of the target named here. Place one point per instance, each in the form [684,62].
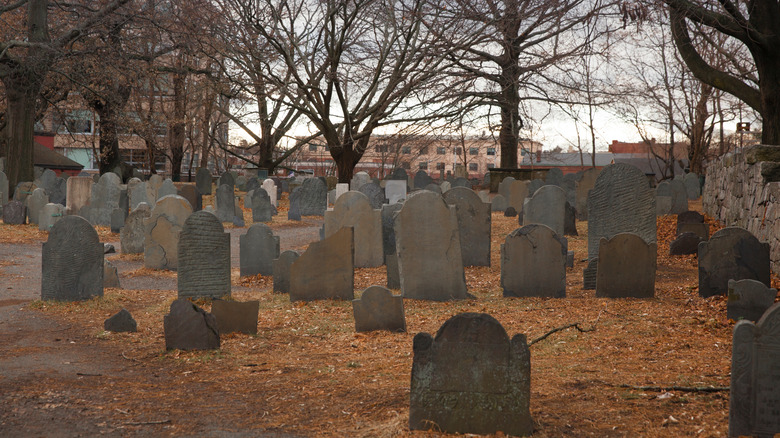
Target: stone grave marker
[14,213]
[262,208]
[325,270]
[586,182]
[49,215]
[153,185]
[270,187]
[570,221]
[313,200]
[548,207]
[228,179]
[191,194]
[226,203]
[685,243]
[253,183]
[389,213]
[167,188]
[359,180]
[378,309]
[754,398]
[533,263]
[203,181]
[23,190]
[693,222]
[340,189]
[731,254]
[749,299]
[461,182]
[294,212]
[131,236]
[554,177]
[445,186]
[535,185]
[428,248]
[504,185]
[518,192]
[236,316]
[35,203]
[204,257]
[499,204]
[3,189]
[55,187]
[161,232]
[471,378]
[110,275]
[105,198]
[395,191]
[120,322]
[433,187]
[375,194]
[136,192]
[398,174]
[79,190]
[330,181]
[281,267]
[422,179]
[72,261]
[241,183]
[258,249]
[188,327]
[626,267]
[484,195]
[354,210]
[474,222]
[692,186]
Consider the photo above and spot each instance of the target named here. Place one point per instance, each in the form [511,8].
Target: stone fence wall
[743,190]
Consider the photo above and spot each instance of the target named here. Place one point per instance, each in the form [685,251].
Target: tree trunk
[510,127]
[21,94]
[346,159]
[769,73]
[177,129]
[109,140]
[699,143]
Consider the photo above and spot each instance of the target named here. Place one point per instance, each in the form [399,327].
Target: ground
[630,367]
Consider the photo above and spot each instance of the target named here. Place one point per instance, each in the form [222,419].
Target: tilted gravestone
[79,190]
[754,398]
[474,222]
[261,205]
[121,321]
[105,198]
[35,203]
[731,254]
[226,203]
[203,181]
[586,182]
[72,262]
[353,209]
[161,232]
[313,197]
[692,185]
[517,193]
[191,194]
[55,187]
[375,194]
[281,267]
[533,263]
[14,213]
[131,236]
[378,309]
[49,215]
[258,249]
[548,207]
[325,270]
[471,378]
[749,299]
[626,267]
[428,248]
[204,257]
[188,327]
[235,316]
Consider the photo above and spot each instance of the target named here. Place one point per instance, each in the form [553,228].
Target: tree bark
[178,127]
[21,94]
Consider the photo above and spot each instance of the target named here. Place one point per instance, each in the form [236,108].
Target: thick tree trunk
[178,127]
[508,136]
[346,158]
[769,73]
[110,158]
[18,142]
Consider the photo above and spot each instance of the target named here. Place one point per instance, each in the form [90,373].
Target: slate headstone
[422,179]
[55,187]
[533,263]
[359,180]
[281,268]
[294,212]
[517,194]
[14,213]
[3,189]
[499,204]
[749,299]
[262,208]
[241,183]
[570,221]
[203,181]
[121,322]
[204,257]
[325,270]
[35,203]
[167,188]
[353,209]
[226,203]
[131,236]
[49,215]
[474,222]
[72,261]
[375,194]
[589,274]
[236,316]
[110,275]
[228,179]
[586,182]
[188,327]
[23,190]
[692,186]
[161,232]
[548,207]
[731,254]
[313,197]
[378,309]
[105,198]
[191,194]
[685,244]
[253,183]
[626,267]
[258,249]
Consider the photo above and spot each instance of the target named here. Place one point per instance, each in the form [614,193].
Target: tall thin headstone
[226,203]
[131,236]
[161,232]
[258,249]
[203,181]
[474,222]
[79,190]
[354,210]
[35,203]
[105,198]
[72,262]
[204,257]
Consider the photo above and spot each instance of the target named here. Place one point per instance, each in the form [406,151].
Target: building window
[473,151]
[458,150]
[491,151]
[439,166]
[381,148]
[406,150]
[473,167]
[441,150]
[423,165]
[312,147]
[406,165]
[423,150]
[491,166]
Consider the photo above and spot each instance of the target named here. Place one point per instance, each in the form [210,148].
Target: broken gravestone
[378,309]
[749,299]
[188,327]
[236,316]
[121,321]
[325,270]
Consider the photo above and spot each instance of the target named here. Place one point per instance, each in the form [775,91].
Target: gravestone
[204,257]
[754,398]
[55,187]
[49,215]
[258,249]
[693,222]
[395,191]
[110,275]
[731,254]
[79,190]
[167,188]
[398,174]
[359,180]
[422,179]
[504,185]
[131,236]
[428,248]
[136,192]
[262,208]
[685,244]
[14,213]
[589,274]
[548,207]
[375,194]
[281,267]
[499,204]
[226,203]
[569,185]
[517,193]
[389,213]
[227,179]
[484,195]
[241,183]
[471,378]
[294,212]
[313,199]
[203,181]
[252,183]
[433,187]
[3,189]
[35,203]
[121,322]
[325,270]
[191,194]
[535,185]
[692,186]
[511,212]
[354,210]
[461,182]
[570,221]
[474,221]
[391,269]
[586,182]
[679,197]
[554,177]
[118,217]
[626,267]
[533,263]
[330,181]
[161,232]
[23,190]
[235,316]
[378,309]
[749,299]
[72,261]
[445,186]
[270,188]
[188,327]
[340,189]
[105,198]
[153,185]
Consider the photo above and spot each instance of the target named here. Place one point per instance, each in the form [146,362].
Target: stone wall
[743,189]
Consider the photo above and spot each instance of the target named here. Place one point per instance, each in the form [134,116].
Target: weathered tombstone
[679,197]
[484,195]
[378,309]
[325,270]
[188,327]
[313,197]
[105,198]
[203,181]
[3,189]
[749,299]
[731,254]
[294,212]
[153,185]
[258,249]
[444,186]
[228,179]
[131,236]
[589,274]
[120,322]
[79,190]
[389,213]
[693,222]
[241,183]
[236,316]
[161,232]
[499,204]
[136,192]
[511,212]
[393,273]
[471,378]
[14,213]
[204,257]
[226,203]
[547,206]
[570,221]
[191,194]
[533,263]
[433,187]
[330,181]
[754,398]
[517,193]
[167,188]
[110,275]
[398,174]
[353,209]
[281,267]
[474,221]
[359,180]
[626,267]
[685,244]
[504,185]
[72,262]
[253,183]
[49,215]
[23,190]
[692,186]
[54,186]
[535,185]
[35,203]
[395,190]
[428,248]
[586,182]
[262,208]
[554,177]
[422,179]
[461,182]
[375,194]
[340,189]
[270,188]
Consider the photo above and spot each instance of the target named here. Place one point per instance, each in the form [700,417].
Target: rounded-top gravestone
[72,261]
